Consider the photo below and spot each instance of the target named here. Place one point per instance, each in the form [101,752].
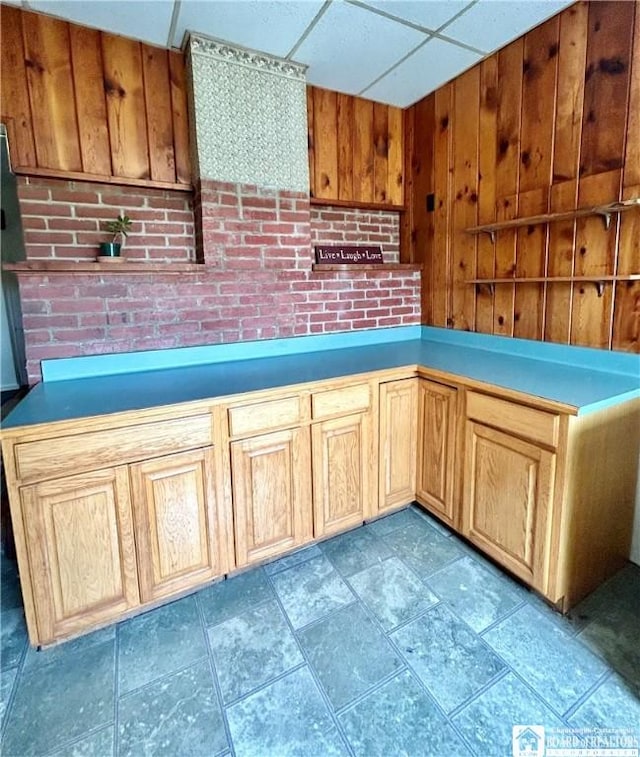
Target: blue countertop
[555,373]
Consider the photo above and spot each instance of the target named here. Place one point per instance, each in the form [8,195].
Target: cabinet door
[398,440]
[342,473]
[81,551]
[174,506]
[437,421]
[507,499]
[271,483]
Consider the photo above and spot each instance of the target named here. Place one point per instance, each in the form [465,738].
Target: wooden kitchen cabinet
[342,473]
[437,449]
[509,484]
[272,498]
[398,442]
[176,523]
[81,551]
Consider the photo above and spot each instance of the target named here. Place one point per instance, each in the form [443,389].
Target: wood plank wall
[549,123]
[79,102]
[356,149]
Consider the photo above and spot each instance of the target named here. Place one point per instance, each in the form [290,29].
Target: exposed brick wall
[257,284]
[66,219]
[333,225]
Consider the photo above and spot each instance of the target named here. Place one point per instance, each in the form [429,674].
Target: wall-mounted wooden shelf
[356,204]
[70,267]
[599,281]
[605,211]
[330,267]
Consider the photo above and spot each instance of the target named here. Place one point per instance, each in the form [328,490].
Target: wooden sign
[348,255]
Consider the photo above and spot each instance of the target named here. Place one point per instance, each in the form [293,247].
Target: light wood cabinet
[342,473]
[509,485]
[271,482]
[81,551]
[398,441]
[176,523]
[437,449]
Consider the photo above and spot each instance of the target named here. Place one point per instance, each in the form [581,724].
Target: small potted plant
[120,229]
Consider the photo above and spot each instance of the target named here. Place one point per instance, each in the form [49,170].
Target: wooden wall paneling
[380,152]
[157,95]
[422,170]
[530,261]
[631,175]
[396,174]
[570,92]
[50,84]
[595,254]
[539,67]
[487,156]
[91,106]
[363,161]
[441,255]
[408,219]
[311,149]
[15,108]
[561,259]
[123,81]
[466,108]
[325,143]
[510,61]
[180,117]
[345,117]
[606,88]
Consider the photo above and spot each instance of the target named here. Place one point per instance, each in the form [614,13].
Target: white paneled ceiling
[392,51]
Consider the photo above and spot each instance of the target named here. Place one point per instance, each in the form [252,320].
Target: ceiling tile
[148,20]
[350,47]
[272,26]
[429,13]
[435,63]
[490,24]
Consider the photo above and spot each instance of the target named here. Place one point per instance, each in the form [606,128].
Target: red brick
[26,192]
[82,305]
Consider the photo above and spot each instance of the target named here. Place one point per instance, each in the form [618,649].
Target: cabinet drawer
[62,455]
[526,422]
[246,420]
[349,399]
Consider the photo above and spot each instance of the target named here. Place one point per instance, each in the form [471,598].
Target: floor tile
[67,651]
[612,623]
[449,658]
[392,592]
[286,719]
[348,653]
[614,704]
[432,520]
[99,744]
[487,722]
[159,642]
[477,596]
[225,599]
[57,703]
[390,523]
[355,551]
[299,556]
[13,637]
[558,667]
[7,680]
[252,648]
[424,550]
[400,719]
[178,715]
[311,590]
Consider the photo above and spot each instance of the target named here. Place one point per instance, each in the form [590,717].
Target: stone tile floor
[394,639]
